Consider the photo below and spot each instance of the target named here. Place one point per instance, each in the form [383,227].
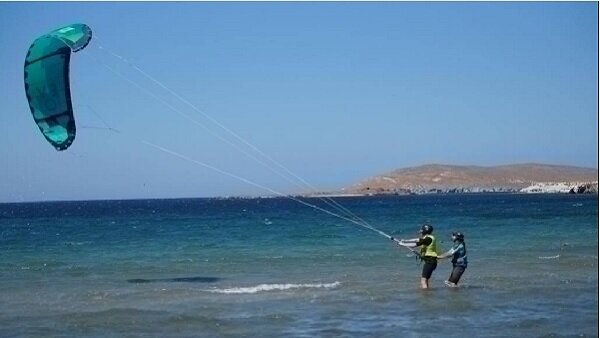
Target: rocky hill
[439,178]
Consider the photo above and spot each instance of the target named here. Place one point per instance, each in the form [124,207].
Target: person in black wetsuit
[459,258]
[428,252]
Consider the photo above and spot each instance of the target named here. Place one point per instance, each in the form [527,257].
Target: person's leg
[450,284]
[457,272]
[428,268]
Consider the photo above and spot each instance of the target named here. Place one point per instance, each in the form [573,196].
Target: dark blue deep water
[277,268]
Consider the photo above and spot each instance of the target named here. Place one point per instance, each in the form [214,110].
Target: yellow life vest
[431,249]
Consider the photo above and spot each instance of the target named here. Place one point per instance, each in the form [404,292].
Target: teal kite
[47,82]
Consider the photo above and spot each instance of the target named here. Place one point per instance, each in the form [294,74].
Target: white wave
[272,287]
[549,257]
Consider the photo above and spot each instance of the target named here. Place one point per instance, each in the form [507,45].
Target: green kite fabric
[47,82]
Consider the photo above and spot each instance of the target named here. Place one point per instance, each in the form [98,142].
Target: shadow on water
[176,280]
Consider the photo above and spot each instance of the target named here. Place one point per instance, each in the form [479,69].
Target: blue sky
[336,92]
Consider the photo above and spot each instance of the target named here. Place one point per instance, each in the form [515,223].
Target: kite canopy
[47,82]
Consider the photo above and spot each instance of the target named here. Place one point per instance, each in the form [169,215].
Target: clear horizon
[335,92]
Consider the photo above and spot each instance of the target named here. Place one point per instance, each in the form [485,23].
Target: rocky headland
[518,178]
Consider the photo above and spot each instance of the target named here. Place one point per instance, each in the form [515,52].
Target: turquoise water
[276,268]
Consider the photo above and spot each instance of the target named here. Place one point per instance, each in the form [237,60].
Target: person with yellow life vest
[428,252]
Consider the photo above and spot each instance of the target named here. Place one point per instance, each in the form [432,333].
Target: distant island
[517,178]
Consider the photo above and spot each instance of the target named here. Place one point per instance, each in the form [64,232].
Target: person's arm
[449,253]
[415,242]
[424,241]
[410,243]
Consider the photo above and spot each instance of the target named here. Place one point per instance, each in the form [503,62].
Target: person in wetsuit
[459,258]
[428,252]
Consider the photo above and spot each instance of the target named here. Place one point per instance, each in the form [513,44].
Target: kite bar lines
[47,86]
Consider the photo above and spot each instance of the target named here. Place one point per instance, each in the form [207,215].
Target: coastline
[533,188]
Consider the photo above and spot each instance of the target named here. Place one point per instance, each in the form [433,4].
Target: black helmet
[426,229]
[459,236]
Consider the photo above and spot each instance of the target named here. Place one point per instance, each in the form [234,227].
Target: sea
[277,267]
